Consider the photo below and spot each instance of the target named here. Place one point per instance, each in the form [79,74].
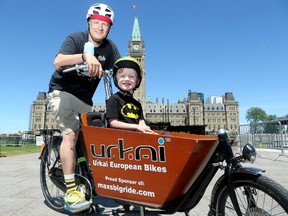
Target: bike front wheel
[256,195]
[51,178]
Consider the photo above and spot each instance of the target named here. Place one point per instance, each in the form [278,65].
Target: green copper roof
[136,35]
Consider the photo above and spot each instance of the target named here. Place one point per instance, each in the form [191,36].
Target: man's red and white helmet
[101,12]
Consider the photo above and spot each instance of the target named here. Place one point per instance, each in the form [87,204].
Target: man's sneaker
[75,202]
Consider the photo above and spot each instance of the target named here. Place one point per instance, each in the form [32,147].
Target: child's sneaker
[75,202]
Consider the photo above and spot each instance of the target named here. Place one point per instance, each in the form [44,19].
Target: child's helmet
[127,62]
[101,12]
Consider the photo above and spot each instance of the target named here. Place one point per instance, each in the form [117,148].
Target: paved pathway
[20,192]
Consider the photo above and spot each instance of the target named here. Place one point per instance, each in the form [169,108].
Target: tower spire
[136,49]
[136,35]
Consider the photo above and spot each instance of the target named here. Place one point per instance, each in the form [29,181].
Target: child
[122,110]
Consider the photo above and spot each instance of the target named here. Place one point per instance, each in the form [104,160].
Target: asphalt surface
[20,192]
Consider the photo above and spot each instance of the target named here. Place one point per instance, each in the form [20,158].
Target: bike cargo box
[148,169]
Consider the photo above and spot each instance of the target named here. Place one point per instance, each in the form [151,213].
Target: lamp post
[194,117]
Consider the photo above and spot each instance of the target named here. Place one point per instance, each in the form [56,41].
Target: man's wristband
[83,57]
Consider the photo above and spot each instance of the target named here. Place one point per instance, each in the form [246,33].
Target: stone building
[39,119]
[215,112]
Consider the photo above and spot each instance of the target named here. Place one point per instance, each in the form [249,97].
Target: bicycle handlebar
[76,67]
[84,67]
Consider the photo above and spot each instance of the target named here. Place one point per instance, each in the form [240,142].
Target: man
[70,93]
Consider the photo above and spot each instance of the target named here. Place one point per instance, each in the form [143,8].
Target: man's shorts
[67,110]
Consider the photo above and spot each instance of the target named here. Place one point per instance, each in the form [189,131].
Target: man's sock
[70,182]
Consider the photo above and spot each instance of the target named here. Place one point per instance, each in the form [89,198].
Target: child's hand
[144,128]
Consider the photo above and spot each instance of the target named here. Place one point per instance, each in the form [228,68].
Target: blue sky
[208,46]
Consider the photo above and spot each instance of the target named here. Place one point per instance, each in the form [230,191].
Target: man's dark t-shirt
[79,85]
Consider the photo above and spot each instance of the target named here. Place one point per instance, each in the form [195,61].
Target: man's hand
[94,66]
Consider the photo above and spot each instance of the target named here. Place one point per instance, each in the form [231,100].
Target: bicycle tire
[268,197]
[53,195]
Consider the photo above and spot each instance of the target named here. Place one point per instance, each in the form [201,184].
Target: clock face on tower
[136,47]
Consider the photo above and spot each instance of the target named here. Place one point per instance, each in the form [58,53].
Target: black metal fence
[268,135]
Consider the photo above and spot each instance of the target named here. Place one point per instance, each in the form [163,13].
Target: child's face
[127,79]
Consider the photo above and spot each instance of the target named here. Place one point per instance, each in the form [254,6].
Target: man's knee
[71,136]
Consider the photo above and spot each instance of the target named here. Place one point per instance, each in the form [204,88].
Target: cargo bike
[159,173]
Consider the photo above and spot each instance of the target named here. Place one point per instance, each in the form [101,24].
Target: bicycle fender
[222,181]
[250,170]
[241,170]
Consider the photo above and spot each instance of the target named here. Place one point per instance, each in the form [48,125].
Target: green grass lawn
[18,150]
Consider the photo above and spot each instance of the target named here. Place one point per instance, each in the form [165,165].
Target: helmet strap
[126,93]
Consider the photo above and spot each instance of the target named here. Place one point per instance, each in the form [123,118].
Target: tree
[271,117]
[273,128]
[255,115]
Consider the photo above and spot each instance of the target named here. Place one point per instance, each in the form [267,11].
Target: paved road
[20,192]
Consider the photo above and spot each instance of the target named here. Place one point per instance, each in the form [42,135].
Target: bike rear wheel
[256,195]
[51,178]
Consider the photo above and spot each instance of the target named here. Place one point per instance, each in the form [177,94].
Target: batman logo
[129,110]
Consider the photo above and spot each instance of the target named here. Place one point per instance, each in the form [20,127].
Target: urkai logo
[156,154]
